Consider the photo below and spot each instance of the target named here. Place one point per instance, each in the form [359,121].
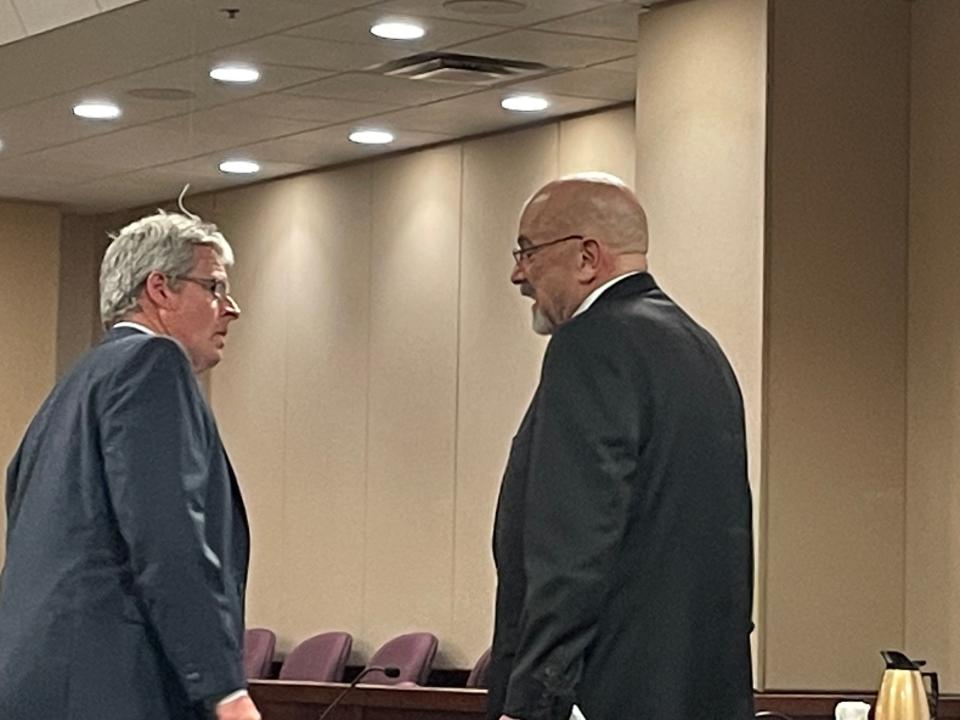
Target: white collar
[135,326]
[597,292]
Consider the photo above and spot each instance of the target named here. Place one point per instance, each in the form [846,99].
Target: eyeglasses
[524,253]
[220,289]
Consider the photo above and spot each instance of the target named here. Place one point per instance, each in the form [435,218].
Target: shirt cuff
[236,695]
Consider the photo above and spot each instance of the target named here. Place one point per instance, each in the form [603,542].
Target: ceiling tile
[626,65]
[125,191]
[10,26]
[355,28]
[315,53]
[534,11]
[480,113]
[284,150]
[160,143]
[206,167]
[160,186]
[255,18]
[47,166]
[130,148]
[192,75]
[552,49]
[222,130]
[142,35]
[38,17]
[593,82]
[318,110]
[330,145]
[37,189]
[46,123]
[227,127]
[611,21]
[314,90]
[114,4]
[380,88]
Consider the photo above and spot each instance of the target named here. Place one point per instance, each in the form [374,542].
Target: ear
[157,290]
[591,258]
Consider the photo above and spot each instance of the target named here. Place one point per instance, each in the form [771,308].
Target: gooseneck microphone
[390,671]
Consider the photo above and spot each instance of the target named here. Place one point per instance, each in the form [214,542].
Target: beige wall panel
[326,403]
[82,242]
[414,254]
[249,387]
[29,265]
[499,359]
[836,340]
[933,444]
[700,175]
[602,142]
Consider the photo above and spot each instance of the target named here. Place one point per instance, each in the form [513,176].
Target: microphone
[390,671]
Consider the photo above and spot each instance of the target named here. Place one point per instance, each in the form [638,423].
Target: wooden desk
[819,706]
[279,700]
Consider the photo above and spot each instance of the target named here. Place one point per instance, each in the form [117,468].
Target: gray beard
[541,324]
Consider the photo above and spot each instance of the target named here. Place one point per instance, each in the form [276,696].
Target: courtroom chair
[478,676]
[321,658]
[412,654]
[258,646]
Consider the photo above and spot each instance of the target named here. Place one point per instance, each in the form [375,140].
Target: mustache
[526,290]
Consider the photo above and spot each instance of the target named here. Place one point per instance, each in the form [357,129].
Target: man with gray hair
[623,529]
[127,543]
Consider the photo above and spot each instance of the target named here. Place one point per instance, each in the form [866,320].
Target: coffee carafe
[902,695]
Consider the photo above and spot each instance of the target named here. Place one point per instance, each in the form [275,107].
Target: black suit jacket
[127,546]
[623,529]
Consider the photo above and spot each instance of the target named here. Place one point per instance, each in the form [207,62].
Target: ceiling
[318,83]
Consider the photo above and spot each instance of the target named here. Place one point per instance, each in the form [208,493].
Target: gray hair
[161,243]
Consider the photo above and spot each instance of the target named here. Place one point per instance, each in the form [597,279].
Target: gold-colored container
[902,695]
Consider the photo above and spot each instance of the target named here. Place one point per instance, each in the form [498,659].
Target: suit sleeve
[156,453]
[583,458]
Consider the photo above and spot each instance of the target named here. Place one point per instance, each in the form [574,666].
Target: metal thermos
[902,695]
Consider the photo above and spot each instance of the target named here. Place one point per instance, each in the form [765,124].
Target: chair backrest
[258,646]
[412,654]
[478,676]
[321,658]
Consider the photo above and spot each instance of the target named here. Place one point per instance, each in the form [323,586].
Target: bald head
[595,205]
[576,234]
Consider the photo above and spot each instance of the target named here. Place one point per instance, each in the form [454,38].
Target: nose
[230,307]
[517,275]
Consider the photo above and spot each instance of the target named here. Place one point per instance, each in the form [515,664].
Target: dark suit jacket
[127,546]
[623,529]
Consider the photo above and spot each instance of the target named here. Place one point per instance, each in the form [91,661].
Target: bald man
[623,528]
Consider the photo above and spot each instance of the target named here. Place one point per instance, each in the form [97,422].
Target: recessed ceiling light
[96,110]
[398,31]
[525,103]
[371,137]
[236,74]
[239,167]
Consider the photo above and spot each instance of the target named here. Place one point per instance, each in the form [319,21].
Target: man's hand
[240,709]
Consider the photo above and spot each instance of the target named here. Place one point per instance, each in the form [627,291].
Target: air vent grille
[455,68]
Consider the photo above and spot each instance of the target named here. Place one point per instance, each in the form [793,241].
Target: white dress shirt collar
[597,292]
[135,326]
